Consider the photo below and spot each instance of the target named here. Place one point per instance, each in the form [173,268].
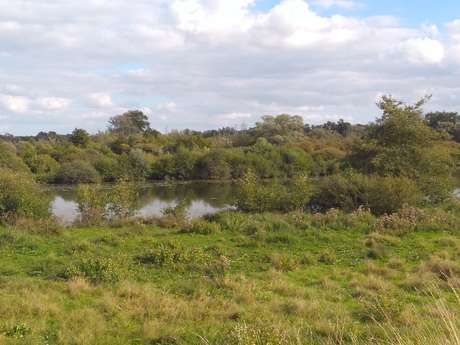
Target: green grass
[250,279]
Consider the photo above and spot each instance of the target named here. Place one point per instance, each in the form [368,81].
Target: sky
[203,64]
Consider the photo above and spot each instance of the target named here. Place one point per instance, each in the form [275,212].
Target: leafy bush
[213,166]
[379,194]
[173,255]
[77,172]
[20,197]
[92,203]
[95,269]
[10,160]
[96,204]
[255,196]
[122,199]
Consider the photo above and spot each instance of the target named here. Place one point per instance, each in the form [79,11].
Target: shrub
[20,197]
[96,204]
[10,160]
[379,194]
[255,196]
[77,172]
[173,255]
[283,262]
[92,203]
[95,270]
[175,216]
[202,227]
[213,166]
[410,219]
[122,199]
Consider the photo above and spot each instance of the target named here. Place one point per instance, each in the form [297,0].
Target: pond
[201,198]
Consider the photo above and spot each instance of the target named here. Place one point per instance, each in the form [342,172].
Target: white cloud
[167,106]
[53,103]
[218,60]
[15,104]
[101,100]
[348,4]
[213,17]
[424,51]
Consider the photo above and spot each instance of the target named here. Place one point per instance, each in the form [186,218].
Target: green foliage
[9,158]
[175,216]
[129,123]
[135,165]
[92,203]
[122,200]
[379,194]
[109,168]
[20,197]
[447,123]
[180,166]
[97,204]
[213,166]
[257,196]
[18,331]
[44,167]
[80,137]
[202,227]
[172,255]
[77,172]
[401,144]
[279,129]
[95,269]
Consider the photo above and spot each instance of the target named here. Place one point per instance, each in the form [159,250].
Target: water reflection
[201,198]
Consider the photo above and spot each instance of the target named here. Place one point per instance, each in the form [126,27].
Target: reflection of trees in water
[216,195]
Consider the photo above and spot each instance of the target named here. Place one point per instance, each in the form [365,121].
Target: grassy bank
[235,279]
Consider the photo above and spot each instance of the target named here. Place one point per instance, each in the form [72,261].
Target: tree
[400,144]
[278,129]
[77,172]
[79,137]
[341,127]
[445,122]
[129,123]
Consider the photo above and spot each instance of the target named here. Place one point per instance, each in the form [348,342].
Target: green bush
[92,203]
[213,166]
[379,194]
[173,255]
[97,204]
[256,196]
[122,199]
[10,160]
[95,270]
[77,172]
[20,197]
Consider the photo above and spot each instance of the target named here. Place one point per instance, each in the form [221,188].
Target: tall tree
[131,122]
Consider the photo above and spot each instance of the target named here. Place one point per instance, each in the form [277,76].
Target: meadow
[235,278]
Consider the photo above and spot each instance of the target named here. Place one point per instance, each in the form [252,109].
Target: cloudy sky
[210,63]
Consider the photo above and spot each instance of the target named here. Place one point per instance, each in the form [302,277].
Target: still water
[201,198]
